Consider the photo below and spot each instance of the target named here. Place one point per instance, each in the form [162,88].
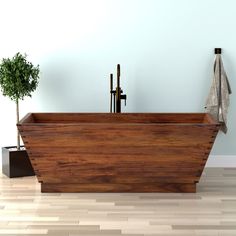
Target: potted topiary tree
[18,79]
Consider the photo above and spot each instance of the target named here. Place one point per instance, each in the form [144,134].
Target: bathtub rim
[207,120]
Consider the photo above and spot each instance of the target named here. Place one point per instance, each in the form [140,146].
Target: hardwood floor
[211,211]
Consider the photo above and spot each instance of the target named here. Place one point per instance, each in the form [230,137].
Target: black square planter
[16,163]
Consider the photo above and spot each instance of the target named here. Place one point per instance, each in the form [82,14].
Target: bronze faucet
[116,95]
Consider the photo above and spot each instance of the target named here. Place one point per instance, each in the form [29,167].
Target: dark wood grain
[128,152]
[120,187]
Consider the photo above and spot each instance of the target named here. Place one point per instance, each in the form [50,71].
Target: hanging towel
[218,99]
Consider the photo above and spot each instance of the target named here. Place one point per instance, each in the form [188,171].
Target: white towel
[218,99]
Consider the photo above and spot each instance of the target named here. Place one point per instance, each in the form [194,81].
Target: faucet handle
[123,96]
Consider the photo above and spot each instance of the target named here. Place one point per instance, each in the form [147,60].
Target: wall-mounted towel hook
[218,50]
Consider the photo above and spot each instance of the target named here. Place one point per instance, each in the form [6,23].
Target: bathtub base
[116,188]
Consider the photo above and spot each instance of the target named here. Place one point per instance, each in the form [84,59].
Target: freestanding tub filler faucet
[116,95]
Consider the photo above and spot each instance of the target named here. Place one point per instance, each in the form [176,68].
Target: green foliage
[18,77]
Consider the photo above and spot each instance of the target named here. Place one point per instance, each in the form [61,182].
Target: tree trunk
[17,121]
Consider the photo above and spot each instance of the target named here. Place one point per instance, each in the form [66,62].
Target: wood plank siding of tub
[142,152]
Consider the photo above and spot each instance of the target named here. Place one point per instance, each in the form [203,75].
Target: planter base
[16,163]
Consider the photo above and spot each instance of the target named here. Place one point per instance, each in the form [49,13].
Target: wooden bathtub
[128,152]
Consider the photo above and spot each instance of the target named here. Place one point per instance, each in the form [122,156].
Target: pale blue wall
[165,48]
